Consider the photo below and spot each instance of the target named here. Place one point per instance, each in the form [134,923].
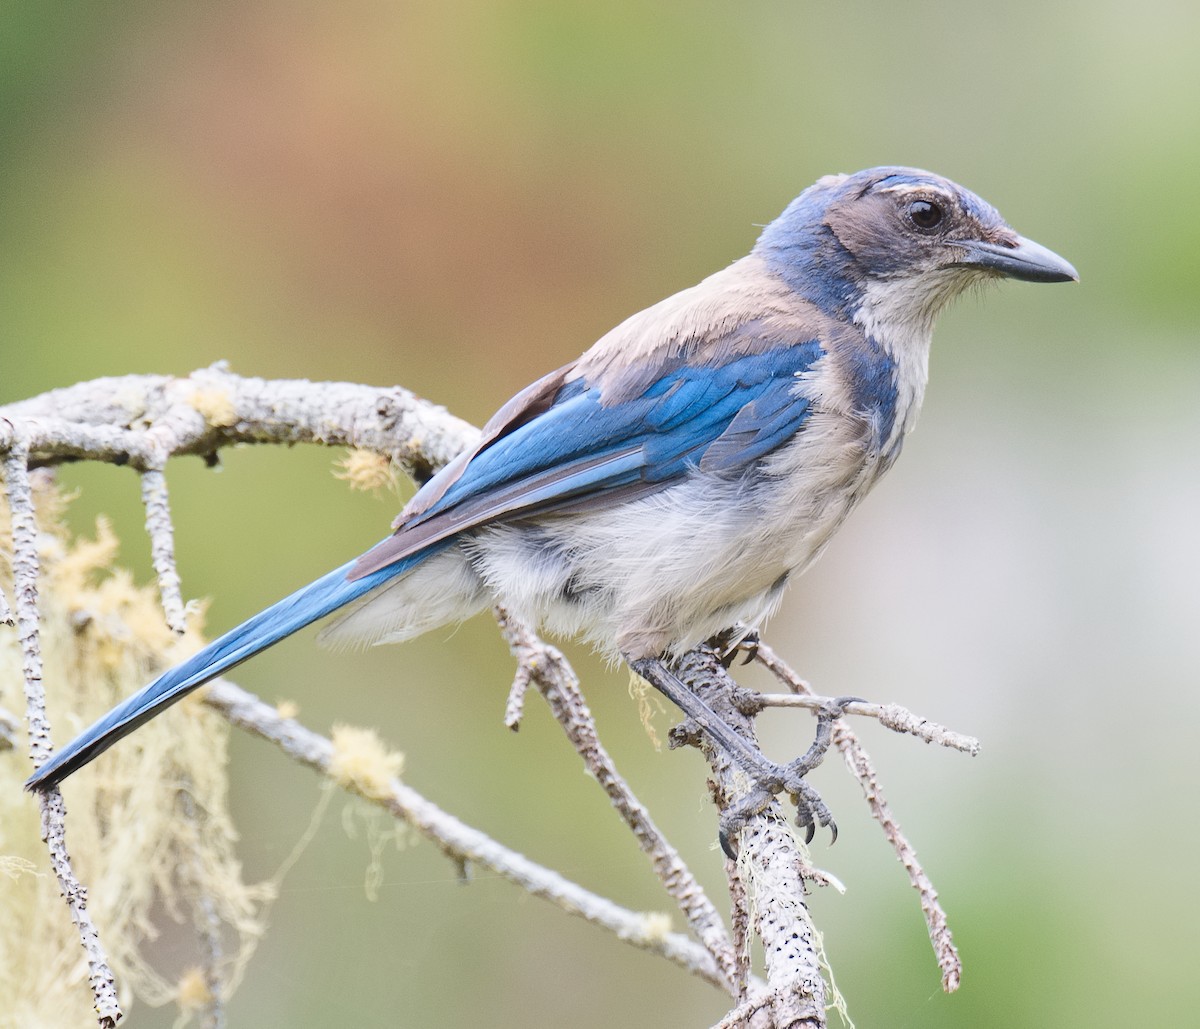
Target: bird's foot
[771,779]
[811,811]
[767,778]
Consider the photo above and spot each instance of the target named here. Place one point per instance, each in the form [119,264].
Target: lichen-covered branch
[144,419]
[459,841]
[770,862]
[53,811]
[891,716]
[545,665]
[162,547]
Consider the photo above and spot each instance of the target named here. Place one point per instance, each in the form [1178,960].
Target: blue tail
[267,627]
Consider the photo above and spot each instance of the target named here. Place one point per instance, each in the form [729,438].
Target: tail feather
[289,615]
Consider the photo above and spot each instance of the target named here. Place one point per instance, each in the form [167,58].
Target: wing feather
[562,445]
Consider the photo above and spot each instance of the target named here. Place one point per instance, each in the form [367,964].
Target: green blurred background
[460,196]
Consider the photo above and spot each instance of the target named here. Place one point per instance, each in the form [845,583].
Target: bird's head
[897,244]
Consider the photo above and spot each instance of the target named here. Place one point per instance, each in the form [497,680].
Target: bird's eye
[925,214]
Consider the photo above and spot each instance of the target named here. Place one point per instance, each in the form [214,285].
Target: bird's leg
[764,772]
[768,777]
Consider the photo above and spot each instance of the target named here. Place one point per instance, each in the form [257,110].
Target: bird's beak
[1023,259]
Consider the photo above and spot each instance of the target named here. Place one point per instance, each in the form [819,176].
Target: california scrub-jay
[667,484]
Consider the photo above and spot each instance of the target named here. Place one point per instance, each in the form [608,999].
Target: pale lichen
[362,762]
[367,471]
[216,405]
[145,855]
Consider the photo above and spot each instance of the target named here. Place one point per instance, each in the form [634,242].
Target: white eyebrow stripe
[924,191]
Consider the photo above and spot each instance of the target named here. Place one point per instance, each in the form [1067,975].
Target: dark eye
[925,214]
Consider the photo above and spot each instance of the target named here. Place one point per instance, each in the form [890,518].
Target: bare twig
[559,685]
[162,547]
[462,843]
[53,811]
[514,708]
[741,930]
[891,716]
[860,766]
[935,916]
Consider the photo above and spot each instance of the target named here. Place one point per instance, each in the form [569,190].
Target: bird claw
[736,817]
[811,812]
[733,641]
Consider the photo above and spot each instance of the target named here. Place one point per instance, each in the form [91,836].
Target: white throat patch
[899,315]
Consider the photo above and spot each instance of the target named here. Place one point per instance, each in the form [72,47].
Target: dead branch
[861,768]
[461,843]
[53,810]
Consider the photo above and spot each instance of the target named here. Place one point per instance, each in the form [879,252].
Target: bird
[665,486]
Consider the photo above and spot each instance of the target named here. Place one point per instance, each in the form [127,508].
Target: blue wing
[581,451]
